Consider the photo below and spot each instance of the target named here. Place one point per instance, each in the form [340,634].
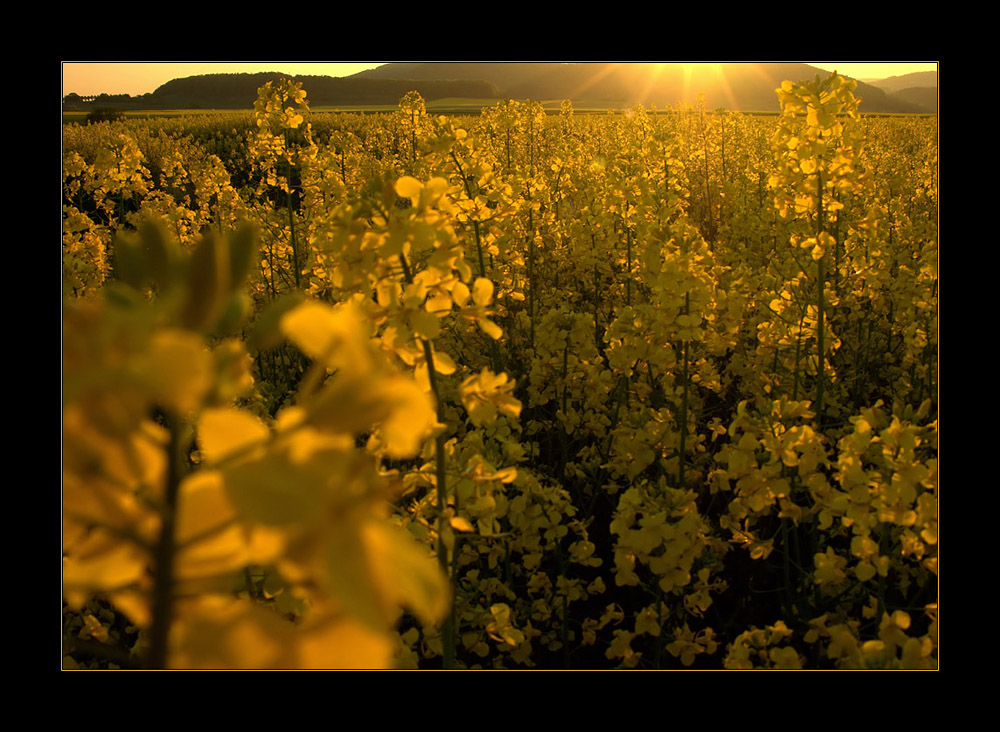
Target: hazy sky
[874,70]
[121,77]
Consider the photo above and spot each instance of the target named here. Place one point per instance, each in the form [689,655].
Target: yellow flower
[621,648]
[647,622]
[829,568]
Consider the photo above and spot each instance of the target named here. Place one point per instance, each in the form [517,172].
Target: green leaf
[267,332]
[208,282]
[405,572]
[222,432]
[242,254]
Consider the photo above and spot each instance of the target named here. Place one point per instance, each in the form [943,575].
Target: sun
[686,78]
[701,75]
[690,69]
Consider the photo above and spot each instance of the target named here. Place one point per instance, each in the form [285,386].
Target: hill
[734,86]
[894,84]
[924,97]
[238,91]
[919,89]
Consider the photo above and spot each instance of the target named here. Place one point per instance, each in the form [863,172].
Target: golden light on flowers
[701,76]
[508,390]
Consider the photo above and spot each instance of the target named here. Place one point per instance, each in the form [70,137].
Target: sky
[139,78]
[873,70]
[119,77]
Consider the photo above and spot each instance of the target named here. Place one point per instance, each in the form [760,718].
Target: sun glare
[700,76]
[691,68]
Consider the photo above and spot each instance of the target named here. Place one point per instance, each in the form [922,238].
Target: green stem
[684,406]
[786,570]
[440,460]
[413,136]
[563,435]
[531,281]
[628,260]
[564,628]
[819,307]
[597,297]
[798,351]
[291,219]
[708,191]
[658,640]
[163,597]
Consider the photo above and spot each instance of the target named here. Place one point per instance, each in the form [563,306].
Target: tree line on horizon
[238,91]
[737,87]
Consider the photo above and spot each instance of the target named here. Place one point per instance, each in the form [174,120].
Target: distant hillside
[504,75]
[747,87]
[238,91]
[895,84]
[919,89]
[734,86]
[921,96]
